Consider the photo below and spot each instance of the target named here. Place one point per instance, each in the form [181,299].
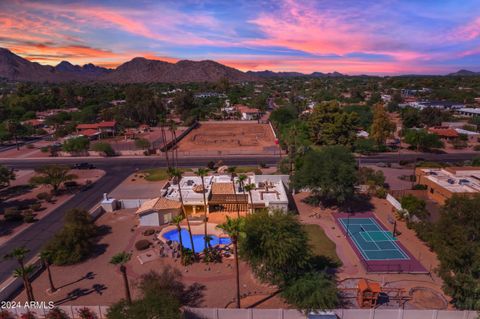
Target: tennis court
[376,247]
[373,242]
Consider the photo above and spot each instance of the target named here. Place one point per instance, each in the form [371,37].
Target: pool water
[198,240]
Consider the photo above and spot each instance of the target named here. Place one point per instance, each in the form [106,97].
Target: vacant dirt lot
[229,138]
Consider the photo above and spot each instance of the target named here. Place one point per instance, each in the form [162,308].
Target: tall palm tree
[164,138]
[25,272]
[47,258]
[202,172]
[177,220]
[173,131]
[231,170]
[177,174]
[249,188]
[241,181]
[19,255]
[234,229]
[121,259]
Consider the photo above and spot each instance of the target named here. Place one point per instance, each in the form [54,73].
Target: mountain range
[271,74]
[142,70]
[137,70]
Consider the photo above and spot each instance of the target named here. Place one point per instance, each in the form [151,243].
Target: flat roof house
[220,195]
[443,183]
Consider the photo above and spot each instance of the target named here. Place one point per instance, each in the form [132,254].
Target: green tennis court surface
[372,240]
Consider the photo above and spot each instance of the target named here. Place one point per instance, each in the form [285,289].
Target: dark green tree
[275,246]
[76,240]
[329,173]
[6,175]
[53,175]
[312,291]
[330,125]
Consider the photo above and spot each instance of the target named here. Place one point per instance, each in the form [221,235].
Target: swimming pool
[198,240]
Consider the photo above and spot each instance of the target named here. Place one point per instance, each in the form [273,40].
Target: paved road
[119,168]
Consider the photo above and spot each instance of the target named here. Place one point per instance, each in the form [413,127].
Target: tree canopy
[6,175]
[329,172]
[422,140]
[331,125]
[75,241]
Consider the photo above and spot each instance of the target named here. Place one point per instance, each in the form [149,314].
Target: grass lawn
[158,174]
[246,169]
[321,244]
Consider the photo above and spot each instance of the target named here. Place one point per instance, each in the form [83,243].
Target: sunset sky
[349,36]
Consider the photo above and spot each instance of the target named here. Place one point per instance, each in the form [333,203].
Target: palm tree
[241,181]
[234,229]
[231,170]
[25,272]
[164,138]
[202,172]
[177,220]
[177,174]
[121,259]
[53,175]
[173,129]
[19,255]
[249,188]
[47,256]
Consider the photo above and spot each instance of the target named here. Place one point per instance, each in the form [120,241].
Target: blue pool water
[198,240]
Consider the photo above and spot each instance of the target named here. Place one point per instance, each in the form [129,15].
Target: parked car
[83,166]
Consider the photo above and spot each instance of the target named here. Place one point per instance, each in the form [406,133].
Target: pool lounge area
[198,239]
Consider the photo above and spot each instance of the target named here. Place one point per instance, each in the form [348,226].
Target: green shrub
[28,216]
[36,207]
[148,232]
[257,171]
[381,192]
[12,214]
[85,313]
[76,144]
[142,143]
[419,187]
[44,196]
[57,313]
[142,244]
[103,147]
[45,149]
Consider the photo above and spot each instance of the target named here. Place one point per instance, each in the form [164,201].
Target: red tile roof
[87,126]
[90,132]
[245,109]
[443,131]
[96,125]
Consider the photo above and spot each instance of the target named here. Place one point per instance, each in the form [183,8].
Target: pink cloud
[469,31]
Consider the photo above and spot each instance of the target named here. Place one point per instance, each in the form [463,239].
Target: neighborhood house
[220,196]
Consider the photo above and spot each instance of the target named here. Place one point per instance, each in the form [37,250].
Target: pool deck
[197,229]
[411,265]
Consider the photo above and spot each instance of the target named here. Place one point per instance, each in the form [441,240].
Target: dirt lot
[229,137]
